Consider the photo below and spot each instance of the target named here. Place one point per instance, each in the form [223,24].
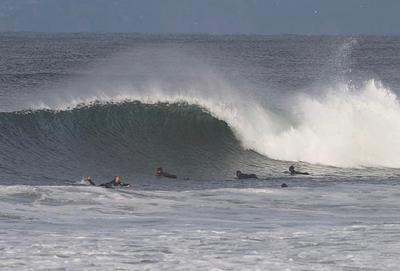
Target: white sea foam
[345,127]
[90,228]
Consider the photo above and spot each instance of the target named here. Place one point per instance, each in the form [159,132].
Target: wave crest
[346,127]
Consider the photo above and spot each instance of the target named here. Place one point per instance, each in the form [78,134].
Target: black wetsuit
[167,175]
[247,176]
[113,183]
[299,173]
[292,171]
[161,173]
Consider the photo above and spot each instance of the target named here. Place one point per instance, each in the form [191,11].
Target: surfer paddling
[161,173]
[115,182]
[293,171]
[241,175]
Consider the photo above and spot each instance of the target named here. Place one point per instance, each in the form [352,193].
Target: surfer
[292,171]
[241,175]
[89,181]
[115,182]
[161,173]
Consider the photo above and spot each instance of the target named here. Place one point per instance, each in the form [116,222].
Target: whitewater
[202,107]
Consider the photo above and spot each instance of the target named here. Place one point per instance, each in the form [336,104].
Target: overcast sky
[380,17]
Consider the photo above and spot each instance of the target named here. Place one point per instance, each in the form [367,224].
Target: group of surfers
[161,173]
[117,180]
[292,171]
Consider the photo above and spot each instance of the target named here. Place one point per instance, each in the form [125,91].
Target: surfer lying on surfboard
[241,175]
[115,182]
[161,173]
[292,171]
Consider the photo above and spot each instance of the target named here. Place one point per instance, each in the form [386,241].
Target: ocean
[202,107]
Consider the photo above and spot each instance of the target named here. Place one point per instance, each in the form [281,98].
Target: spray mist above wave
[344,127]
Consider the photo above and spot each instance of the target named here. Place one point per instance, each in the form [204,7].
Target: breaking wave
[345,127]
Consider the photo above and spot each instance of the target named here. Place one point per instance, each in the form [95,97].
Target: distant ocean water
[202,107]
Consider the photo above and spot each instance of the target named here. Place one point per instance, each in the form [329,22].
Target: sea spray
[340,128]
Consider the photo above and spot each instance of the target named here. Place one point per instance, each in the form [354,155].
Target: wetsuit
[161,173]
[294,172]
[299,173]
[167,175]
[247,176]
[113,183]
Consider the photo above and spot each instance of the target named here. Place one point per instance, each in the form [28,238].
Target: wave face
[127,137]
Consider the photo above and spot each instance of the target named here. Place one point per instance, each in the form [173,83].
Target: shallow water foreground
[325,226]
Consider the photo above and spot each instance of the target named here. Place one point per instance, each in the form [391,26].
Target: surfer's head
[238,172]
[159,171]
[291,168]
